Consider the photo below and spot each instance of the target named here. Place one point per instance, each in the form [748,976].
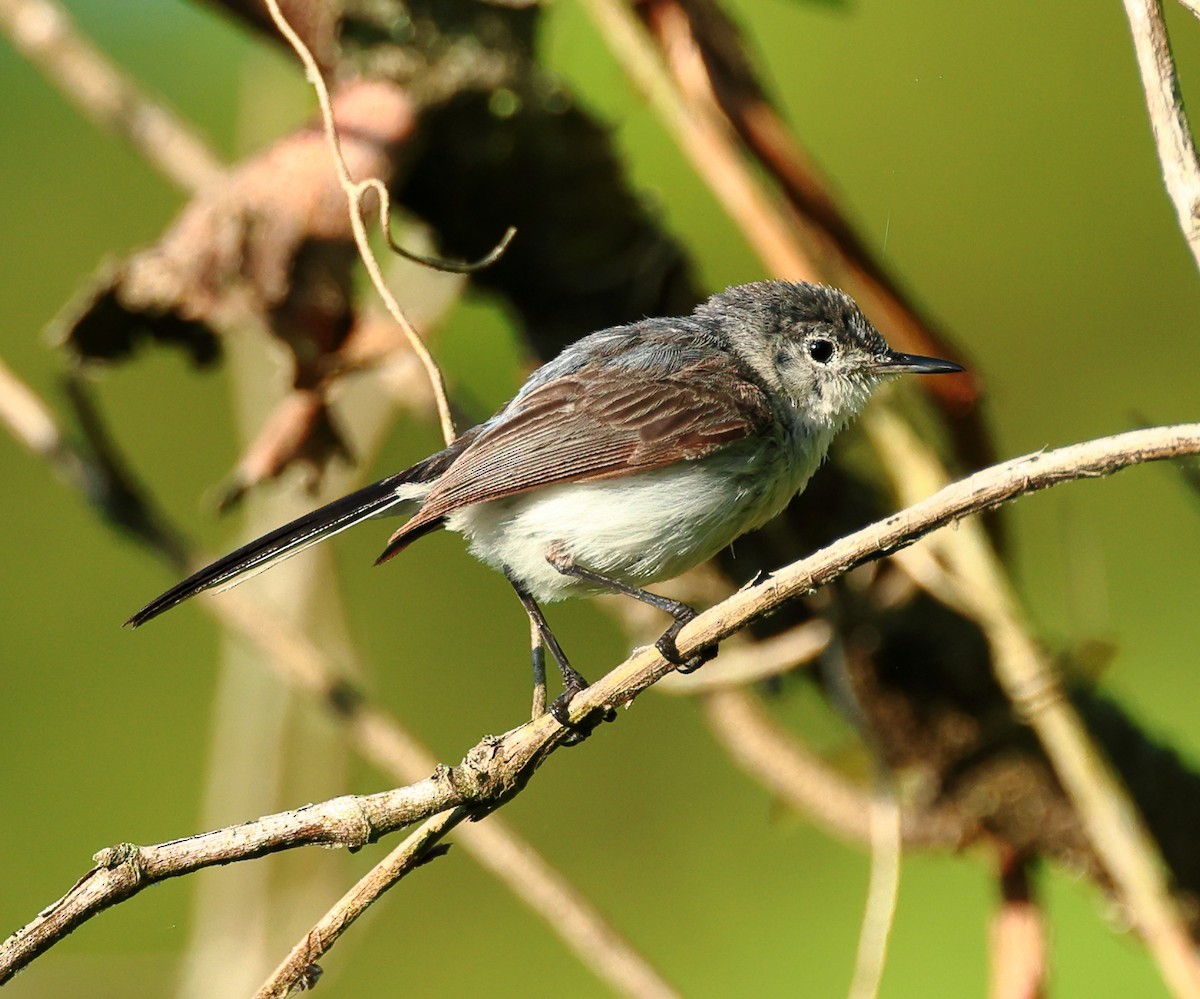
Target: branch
[705,139]
[985,490]
[788,770]
[1168,119]
[746,663]
[1117,833]
[499,768]
[95,471]
[123,870]
[879,916]
[44,33]
[300,965]
[376,736]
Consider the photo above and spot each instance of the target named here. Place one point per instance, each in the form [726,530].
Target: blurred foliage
[998,155]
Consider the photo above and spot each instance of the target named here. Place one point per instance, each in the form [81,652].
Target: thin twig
[96,472]
[882,892]
[424,259]
[355,191]
[886,831]
[32,424]
[43,32]
[798,778]
[110,486]
[703,138]
[538,655]
[1017,937]
[416,849]
[1168,119]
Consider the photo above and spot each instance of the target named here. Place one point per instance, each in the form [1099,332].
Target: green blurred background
[999,158]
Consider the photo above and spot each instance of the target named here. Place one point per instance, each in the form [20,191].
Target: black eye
[820,351]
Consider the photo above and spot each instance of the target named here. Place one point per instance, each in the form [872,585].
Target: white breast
[640,528]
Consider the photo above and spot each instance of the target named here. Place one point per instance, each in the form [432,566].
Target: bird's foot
[560,708]
[670,651]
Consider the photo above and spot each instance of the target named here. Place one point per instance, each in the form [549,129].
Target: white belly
[641,528]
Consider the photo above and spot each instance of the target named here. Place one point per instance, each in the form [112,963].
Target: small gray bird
[636,454]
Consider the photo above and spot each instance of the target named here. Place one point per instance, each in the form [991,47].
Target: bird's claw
[581,729]
[670,651]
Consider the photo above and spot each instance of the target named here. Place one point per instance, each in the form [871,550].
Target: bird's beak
[895,363]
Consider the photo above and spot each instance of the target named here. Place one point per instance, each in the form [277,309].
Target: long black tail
[322,523]
[282,542]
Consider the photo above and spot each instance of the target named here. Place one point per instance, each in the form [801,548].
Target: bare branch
[44,33]
[1168,119]
[499,768]
[704,138]
[1115,830]
[97,473]
[425,260]
[376,736]
[537,650]
[416,849]
[32,424]
[985,490]
[786,768]
[123,870]
[753,662]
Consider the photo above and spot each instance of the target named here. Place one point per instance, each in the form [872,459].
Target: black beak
[895,363]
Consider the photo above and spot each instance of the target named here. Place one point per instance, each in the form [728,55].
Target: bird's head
[813,345]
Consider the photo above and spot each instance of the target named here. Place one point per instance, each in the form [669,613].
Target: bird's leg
[680,611]
[537,651]
[573,681]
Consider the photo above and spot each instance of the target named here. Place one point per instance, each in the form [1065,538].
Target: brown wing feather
[596,424]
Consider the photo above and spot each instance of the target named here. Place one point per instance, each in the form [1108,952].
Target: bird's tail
[283,542]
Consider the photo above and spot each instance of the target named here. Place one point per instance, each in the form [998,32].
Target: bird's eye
[821,350]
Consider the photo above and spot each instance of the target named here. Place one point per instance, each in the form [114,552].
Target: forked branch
[497,769]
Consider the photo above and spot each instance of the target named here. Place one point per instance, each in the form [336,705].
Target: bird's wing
[596,423]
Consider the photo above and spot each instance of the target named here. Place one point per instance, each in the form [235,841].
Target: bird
[637,453]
